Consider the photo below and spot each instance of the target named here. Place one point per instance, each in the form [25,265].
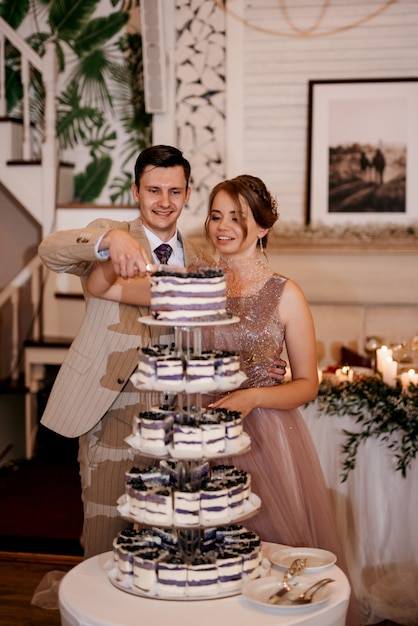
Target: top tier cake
[188,296]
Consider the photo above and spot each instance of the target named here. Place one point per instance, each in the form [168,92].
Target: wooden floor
[20,575]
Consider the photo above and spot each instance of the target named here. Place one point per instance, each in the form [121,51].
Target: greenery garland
[385,412]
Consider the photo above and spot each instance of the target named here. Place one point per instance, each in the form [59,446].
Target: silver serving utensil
[307,596]
[296,567]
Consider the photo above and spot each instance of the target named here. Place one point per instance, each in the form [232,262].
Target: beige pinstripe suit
[104,353]
[92,397]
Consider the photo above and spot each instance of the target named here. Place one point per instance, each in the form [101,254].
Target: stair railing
[33,273]
[47,66]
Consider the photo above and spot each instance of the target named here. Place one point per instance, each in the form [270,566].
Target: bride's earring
[260,241]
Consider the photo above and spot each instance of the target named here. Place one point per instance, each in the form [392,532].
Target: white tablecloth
[377,517]
[88,598]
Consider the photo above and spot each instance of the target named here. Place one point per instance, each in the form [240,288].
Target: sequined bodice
[259,335]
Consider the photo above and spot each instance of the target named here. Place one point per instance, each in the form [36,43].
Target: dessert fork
[307,596]
[296,567]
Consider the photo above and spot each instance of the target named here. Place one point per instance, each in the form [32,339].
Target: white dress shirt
[176,257]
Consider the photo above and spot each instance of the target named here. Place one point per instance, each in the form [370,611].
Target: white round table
[88,598]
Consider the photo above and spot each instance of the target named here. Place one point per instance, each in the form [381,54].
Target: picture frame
[362,151]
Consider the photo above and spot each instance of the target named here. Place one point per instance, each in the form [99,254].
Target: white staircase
[37,186]
[29,164]
[35,182]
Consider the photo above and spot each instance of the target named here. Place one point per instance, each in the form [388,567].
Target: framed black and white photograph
[363,151]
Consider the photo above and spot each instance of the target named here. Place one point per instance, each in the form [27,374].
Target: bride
[296,509]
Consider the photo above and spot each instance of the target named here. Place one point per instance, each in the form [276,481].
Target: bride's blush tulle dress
[296,508]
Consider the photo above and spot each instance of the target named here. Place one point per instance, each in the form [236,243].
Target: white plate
[316,559]
[151,321]
[258,592]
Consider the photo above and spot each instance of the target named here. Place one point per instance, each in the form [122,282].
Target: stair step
[9,386]
[36,162]
[68,295]
[14,120]
[48,342]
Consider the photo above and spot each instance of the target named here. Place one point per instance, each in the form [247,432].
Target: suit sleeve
[73,251]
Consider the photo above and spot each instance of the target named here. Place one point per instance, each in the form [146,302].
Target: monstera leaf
[121,188]
[90,183]
[98,32]
[68,17]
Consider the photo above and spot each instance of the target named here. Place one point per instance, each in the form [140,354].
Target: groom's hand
[278,370]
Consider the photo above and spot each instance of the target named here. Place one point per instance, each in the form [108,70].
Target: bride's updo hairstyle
[254,192]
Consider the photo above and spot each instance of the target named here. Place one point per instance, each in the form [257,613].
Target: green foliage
[14,11]
[91,75]
[129,100]
[68,17]
[90,183]
[37,42]
[98,32]
[96,85]
[13,82]
[73,118]
[384,412]
[122,188]
[101,140]
[14,91]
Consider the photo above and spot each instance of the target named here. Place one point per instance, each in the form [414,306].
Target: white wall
[348,303]
[277,53]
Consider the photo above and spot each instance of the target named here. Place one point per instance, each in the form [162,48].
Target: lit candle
[407,378]
[348,373]
[389,371]
[381,355]
[344,374]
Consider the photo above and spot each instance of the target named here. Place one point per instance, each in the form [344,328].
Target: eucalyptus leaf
[384,412]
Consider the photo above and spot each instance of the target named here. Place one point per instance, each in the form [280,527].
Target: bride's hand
[241,400]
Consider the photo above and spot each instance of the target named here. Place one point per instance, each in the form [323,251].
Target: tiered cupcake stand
[188,340]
